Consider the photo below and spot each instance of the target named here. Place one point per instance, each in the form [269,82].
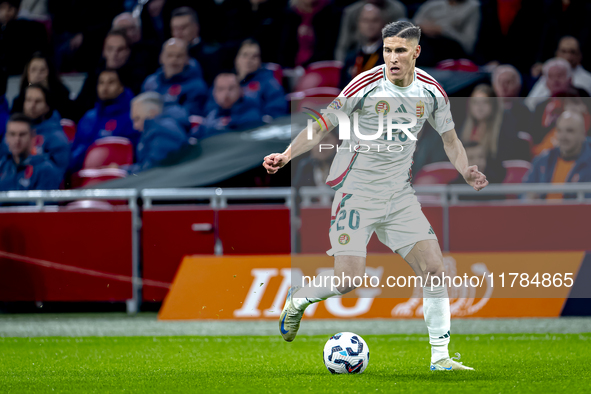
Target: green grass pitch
[532,363]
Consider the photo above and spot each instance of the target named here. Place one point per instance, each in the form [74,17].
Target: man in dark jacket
[19,168]
[161,133]
[228,110]
[179,80]
[50,139]
[570,161]
[259,83]
[19,38]
[110,117]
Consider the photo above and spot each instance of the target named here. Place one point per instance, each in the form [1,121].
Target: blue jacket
[187,89]
[161,136]
[106,119]
[543,168]
[262,86]
[52,141]
[4,115]
[33,173]
[244,114]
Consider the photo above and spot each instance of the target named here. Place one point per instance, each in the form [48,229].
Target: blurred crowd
[164,74]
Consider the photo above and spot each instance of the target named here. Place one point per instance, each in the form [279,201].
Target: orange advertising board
[254,287]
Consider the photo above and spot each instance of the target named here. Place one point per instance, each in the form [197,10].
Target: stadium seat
[277,71]
[90,177]
[69,127]
[436,173]
[516,170]
[108,150]
[314,98]
[457,65]
[321,74]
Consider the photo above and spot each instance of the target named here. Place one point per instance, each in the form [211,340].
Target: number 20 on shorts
[354,220]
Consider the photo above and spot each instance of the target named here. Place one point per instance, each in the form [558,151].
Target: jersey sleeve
[440,118]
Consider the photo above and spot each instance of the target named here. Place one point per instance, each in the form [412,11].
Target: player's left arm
[457,156]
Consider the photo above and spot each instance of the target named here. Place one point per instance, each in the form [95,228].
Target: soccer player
[373,190]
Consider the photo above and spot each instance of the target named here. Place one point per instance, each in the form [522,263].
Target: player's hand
[475,178]
[274,162]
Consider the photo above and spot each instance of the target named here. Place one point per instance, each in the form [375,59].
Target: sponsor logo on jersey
[344,239]
[336,104]
[420,109]
[382,107]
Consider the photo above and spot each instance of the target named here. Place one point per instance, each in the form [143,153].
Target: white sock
[311,293]
[438,319]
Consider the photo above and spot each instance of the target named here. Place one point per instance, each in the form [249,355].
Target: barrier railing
[217,198]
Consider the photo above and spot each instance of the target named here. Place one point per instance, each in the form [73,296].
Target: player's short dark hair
[183,11]
[402,29]
[20,117]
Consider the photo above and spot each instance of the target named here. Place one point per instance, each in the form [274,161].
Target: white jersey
[381,167]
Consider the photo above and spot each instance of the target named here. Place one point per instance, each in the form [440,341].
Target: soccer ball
[346,352]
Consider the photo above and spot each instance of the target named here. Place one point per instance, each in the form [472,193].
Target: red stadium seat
[69,127]
[436,173]
[516,170]
[277,71]
[321,74]
[90,177]
[457,65]
[108,150]
[314,98]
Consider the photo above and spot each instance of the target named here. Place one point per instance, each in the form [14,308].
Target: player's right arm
[300,145]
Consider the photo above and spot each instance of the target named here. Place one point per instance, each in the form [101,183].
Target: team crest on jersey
[420,109]
[344,239]
[336,104]
[382,107]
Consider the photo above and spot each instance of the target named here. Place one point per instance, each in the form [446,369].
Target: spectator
[152,21]
[110,117]
[144,53]
[368,52]
[313,169]
[256,19]
[259,83]
[19,39]
[228,110]
[185,26]
[569,50]
[486,125]
[570,161]
[161,135]
[116,54]
[547,113]
[178,80]
[20,169]
[310,32]
[40,70]
[506,82]
[449,29]
[50,139]
[350,37]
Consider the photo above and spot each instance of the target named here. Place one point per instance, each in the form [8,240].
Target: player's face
[400,57]
[570,134]
[35,104]
[18,137]
[174,58]
[109,87]
[226,90]
[38,71]
[115,52]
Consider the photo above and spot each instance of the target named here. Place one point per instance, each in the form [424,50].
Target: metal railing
[217,198]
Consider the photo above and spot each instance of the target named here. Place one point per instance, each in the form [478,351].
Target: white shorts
[399,222]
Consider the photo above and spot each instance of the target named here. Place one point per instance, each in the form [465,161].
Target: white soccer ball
[346,352]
